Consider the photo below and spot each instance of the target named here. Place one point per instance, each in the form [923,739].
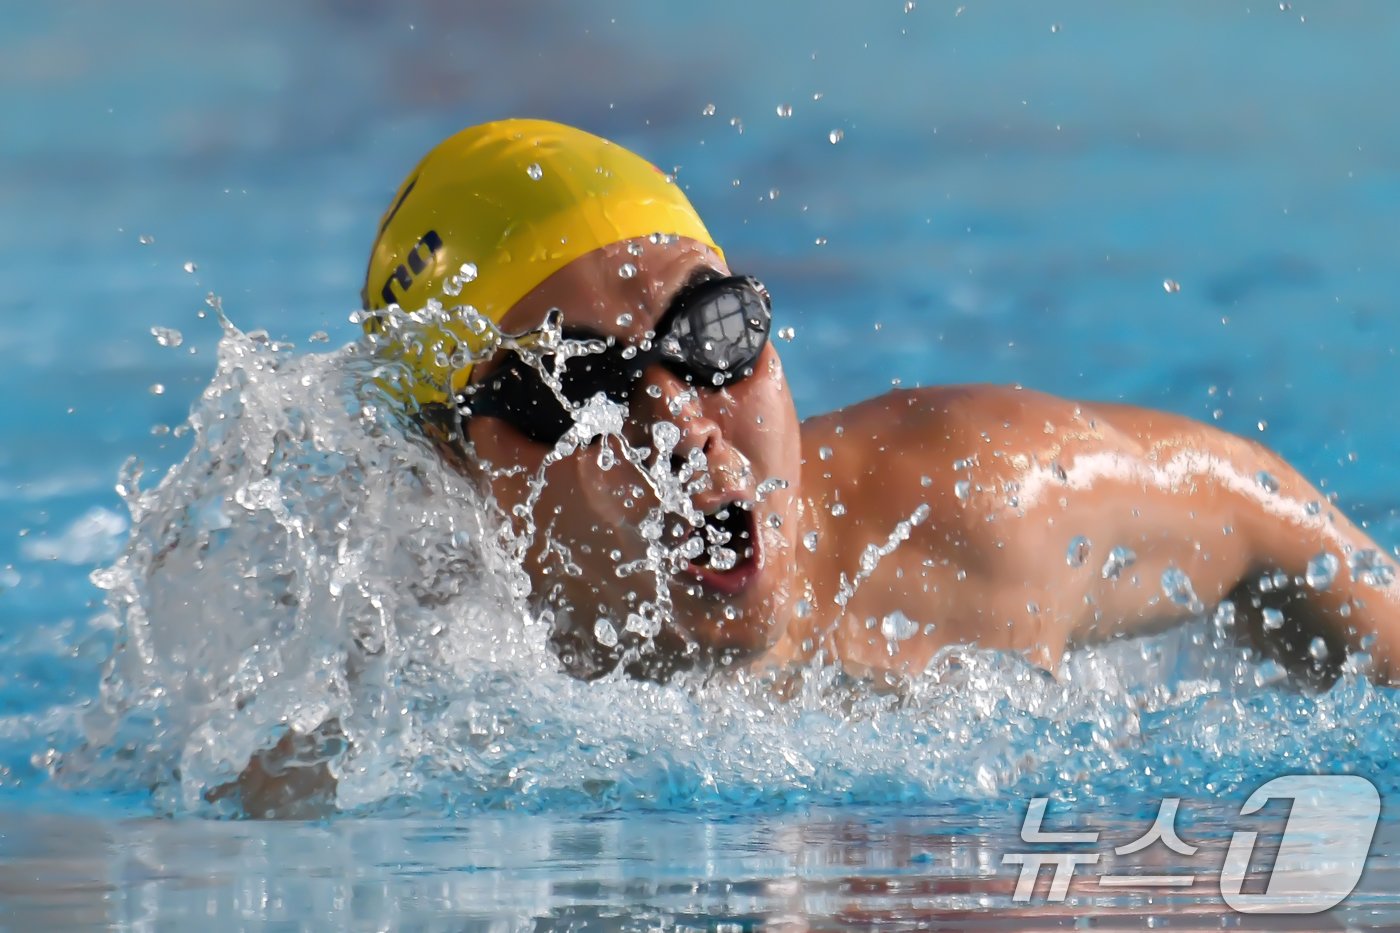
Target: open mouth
[722,553]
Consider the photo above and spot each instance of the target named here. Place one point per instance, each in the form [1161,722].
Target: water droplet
[1273,619]
[157,389]
[925,481]
[1054,27]
[534,171]
[320,337]
[786,333]
[1176,586]
[820,241]
[824,453]
[190,266]
[1078,551]
[817,95]
[909,6]
[624,319]
[1171,286]
[1266,481]
[708,110]
[1119,559]
[838,508]
[634,248]
[809,541]
[1262,425]
[467,273]
[167,336]
[1317,649]
[1322,570]
[1369,567]
[605,633]
[773,194]
[768,487]
[145,239]
[897,627]
[836,135]
[785,110]
[962,489]
[627,270]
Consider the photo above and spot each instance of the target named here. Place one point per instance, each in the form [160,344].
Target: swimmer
[871,537]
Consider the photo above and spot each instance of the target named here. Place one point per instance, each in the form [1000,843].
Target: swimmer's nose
[679,403]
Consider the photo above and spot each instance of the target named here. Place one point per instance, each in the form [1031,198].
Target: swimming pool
[1009,189]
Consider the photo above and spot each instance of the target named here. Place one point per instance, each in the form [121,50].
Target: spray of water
[313,560]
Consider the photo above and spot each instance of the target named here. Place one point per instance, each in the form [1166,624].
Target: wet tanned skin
[984,563]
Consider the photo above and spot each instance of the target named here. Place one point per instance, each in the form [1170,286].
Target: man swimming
[870,537]
[587,356]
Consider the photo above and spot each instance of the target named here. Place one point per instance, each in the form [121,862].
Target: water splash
[311,559]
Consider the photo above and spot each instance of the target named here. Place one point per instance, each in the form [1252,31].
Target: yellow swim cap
[494,211]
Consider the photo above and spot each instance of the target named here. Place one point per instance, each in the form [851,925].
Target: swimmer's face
[590,513]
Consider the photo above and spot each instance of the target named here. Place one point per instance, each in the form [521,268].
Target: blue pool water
[1012,186]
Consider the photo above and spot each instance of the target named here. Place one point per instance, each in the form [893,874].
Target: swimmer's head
[555,219]
[492,212]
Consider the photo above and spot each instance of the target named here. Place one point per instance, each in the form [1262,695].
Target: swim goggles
[711,336]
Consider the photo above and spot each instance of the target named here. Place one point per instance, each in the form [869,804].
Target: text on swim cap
[417,261]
